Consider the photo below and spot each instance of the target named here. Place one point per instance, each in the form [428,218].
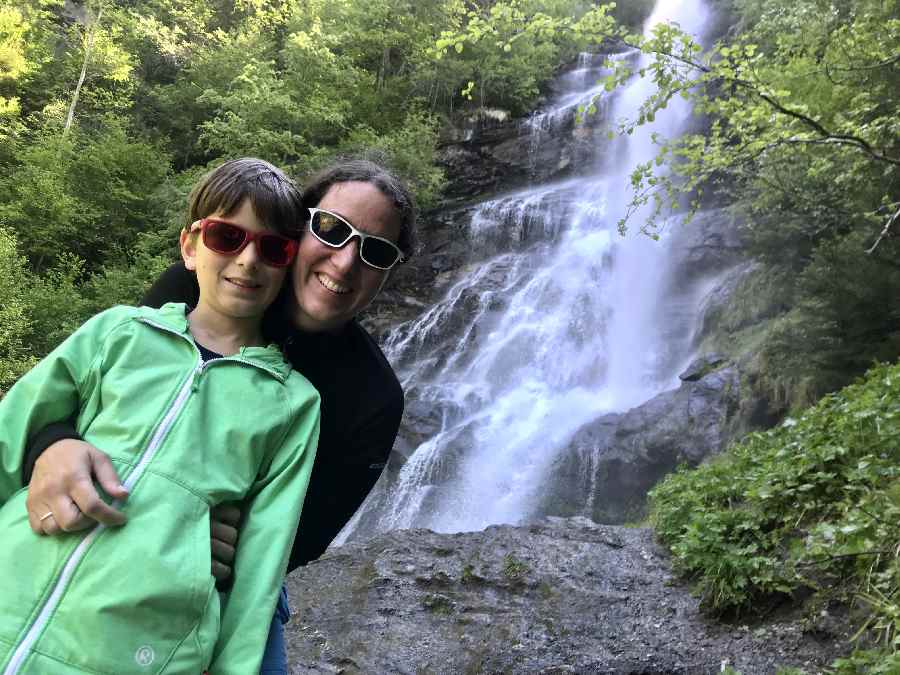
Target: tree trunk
[385,63]
[92,31]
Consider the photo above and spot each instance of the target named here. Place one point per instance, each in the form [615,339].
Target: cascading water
[555,321]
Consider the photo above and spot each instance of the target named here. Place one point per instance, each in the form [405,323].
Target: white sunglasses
[332,230]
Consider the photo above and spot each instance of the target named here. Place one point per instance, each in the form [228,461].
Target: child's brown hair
[275,198]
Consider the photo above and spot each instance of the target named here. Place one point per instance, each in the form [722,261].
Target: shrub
[811,502]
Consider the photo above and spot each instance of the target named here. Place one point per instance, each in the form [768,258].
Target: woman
[356,206]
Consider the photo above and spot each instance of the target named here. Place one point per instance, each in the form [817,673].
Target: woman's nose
[345,257]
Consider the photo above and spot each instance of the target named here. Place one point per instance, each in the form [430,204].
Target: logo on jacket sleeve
[144,656]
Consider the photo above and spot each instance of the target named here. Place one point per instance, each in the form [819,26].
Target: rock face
[709,243]
[612,463]
[559,596]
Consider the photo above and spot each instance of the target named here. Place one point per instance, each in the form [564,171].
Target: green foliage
[504,52]
[812,504]
[84,193]
[513,568]
[802,129]
[411,150]
[64,48]
[14,320]
[89,215]
[56,304]
[802,138]
[868,662]
[125,280]
[806,332]
[40,311]
[844,318]
[257,116]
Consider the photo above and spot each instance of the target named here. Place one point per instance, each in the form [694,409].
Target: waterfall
[555,321]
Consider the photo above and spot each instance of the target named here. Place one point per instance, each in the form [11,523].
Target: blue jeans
[275,658]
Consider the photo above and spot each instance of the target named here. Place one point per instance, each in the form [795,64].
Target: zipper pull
[195,379]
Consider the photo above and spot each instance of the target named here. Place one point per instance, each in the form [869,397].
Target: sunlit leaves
[512,47]
[13,29]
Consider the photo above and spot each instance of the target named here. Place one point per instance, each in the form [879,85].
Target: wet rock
[557,596]
[716,303]
[613,462]
[707,245]
[701,367]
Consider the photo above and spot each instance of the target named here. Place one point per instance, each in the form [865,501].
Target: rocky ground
[559,596]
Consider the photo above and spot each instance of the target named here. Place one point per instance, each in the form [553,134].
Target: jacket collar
[173,316]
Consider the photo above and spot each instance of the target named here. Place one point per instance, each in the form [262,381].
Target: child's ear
[188,243]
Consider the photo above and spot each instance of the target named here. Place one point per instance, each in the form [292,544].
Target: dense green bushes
[40,310]
[87,193]
[813,504]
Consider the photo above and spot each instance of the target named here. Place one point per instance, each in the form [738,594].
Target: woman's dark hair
[276,199]
[367,171]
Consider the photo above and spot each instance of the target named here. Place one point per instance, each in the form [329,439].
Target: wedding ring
[46,515]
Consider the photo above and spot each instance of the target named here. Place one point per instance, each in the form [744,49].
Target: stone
[613,462]
[701,367]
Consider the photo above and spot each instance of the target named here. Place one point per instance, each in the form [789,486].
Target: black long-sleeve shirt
[362,403]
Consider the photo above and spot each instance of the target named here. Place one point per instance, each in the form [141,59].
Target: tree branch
[884,232]
[842,139]
[894,59]
[753,89]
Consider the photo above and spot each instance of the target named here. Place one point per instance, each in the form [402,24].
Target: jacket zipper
[203,364]
[76,556]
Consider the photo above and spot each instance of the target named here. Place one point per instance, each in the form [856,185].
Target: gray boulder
[612,463]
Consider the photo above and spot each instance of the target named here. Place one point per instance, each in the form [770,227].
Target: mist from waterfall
[559,321]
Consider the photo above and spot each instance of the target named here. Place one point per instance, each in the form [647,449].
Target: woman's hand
[223,533]
[62,496]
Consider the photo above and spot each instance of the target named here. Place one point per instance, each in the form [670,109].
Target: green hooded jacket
[184,436]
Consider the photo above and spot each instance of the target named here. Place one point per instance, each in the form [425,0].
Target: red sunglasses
[230,239]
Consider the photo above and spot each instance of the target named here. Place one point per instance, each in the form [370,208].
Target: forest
[110,111]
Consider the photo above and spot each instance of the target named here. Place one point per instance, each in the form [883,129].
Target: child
[194,410]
